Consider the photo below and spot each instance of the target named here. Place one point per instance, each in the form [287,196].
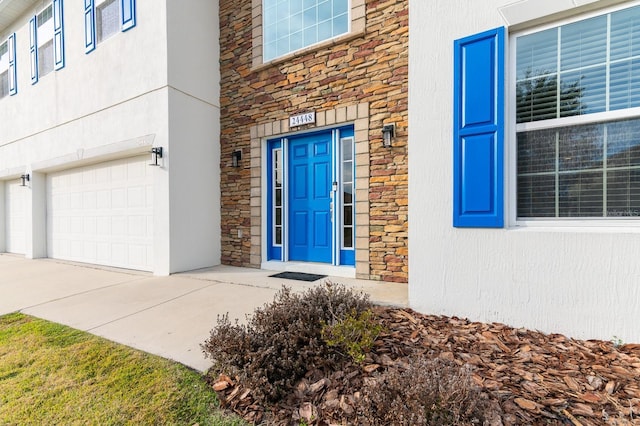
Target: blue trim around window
[347,255]
[127,14]
[274,251]
[89,26]
[58,34]
[13,74]
[33,48]
[479,130]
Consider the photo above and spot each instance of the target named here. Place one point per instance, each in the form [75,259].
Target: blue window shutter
[89,26]
[33,48]
[479,130]
[13,75]
[127,14]
[58,35]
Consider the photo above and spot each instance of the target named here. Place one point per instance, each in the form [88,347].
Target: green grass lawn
[52,374]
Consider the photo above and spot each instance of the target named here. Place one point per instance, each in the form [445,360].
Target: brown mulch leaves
[530,377]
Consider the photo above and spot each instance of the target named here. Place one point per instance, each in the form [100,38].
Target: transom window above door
[290,25]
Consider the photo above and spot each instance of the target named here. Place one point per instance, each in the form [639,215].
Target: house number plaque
[300,119]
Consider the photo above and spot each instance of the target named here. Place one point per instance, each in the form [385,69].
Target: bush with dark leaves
[282,340]
[426,392]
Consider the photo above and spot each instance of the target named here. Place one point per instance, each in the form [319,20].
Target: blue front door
[310,186]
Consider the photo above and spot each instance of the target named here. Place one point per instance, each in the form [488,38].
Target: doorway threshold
[310,268]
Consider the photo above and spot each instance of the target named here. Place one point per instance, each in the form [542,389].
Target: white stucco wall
[194,133]
[3,237]
[123,67]
[127,95]
[578,280]
[110,103]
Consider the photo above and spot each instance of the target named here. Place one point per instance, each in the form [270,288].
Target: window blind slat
[537,54]
[580,194]
[579,174]
[583,43]
[625,33]
[536,196]
[624,82]
[623,193]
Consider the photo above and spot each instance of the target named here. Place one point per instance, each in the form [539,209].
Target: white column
[3,220]
[36,227]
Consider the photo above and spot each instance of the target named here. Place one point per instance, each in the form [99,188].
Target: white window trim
[45,34]
[313,45]
[274,189]
[341,183]
[595,224]
[358,115]
[45,28]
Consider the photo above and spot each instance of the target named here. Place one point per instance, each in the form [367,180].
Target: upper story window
[8,71]
[107,22]
[578,118]
[46,41]
[4,69]
[290,25]
[104,18]
[282,27]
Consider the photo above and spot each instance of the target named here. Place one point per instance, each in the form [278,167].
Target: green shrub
[282,340]
[355,334]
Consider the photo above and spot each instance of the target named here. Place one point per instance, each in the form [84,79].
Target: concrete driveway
[167,316]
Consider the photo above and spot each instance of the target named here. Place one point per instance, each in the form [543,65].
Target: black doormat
[298,276]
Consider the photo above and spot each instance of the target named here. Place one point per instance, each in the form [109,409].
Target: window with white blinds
[45,41]
[578,141]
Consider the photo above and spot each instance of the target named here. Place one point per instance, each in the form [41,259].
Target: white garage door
[102,214]
[15,217]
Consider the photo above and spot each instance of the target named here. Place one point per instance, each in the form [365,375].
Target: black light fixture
[236,156]
[156,152]
[388,133]
[25,179]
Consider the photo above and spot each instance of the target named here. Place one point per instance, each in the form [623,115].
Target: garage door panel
[136,197]
[103,199]
[137,226]
[89,249]
[102,214]
[89,200]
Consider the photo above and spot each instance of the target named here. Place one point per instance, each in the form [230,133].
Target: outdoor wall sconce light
[156,152]
[25,179]
[388,133]
[236,156]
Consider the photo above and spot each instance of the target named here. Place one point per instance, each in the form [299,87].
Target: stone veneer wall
[360,76]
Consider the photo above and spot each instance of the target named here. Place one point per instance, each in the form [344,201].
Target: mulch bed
[529,377]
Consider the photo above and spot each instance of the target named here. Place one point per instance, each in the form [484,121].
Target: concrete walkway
[167,316]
